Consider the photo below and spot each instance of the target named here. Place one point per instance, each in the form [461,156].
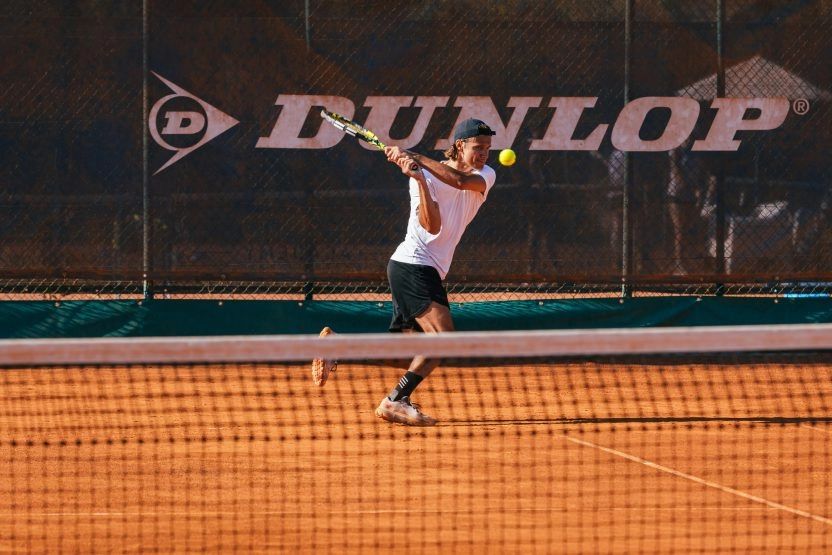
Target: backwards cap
[472,128]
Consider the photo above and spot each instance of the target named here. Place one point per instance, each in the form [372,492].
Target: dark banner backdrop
[177,145]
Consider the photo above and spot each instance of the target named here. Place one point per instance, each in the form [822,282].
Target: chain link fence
[174,149]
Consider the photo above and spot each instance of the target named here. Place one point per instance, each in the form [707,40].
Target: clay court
[535,457]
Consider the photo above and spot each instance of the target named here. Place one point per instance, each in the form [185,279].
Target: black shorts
[414,287]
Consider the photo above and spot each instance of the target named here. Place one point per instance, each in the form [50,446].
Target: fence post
[626,220]
[147,288]
[719,201]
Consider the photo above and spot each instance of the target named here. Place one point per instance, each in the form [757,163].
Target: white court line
[815,428]
[702,481]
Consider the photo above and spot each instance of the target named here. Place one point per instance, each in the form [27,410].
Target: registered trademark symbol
[800,106]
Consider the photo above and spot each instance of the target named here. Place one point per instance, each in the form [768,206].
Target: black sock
[406,386]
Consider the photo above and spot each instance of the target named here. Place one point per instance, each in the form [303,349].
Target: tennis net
[647,440]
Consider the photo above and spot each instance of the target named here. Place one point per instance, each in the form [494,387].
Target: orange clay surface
[526,459]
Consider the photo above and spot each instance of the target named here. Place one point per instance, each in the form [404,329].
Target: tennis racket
[351,128]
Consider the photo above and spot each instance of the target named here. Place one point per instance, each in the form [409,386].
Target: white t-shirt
[456,208]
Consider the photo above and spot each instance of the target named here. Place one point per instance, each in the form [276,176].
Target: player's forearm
[429,216]
[449,175]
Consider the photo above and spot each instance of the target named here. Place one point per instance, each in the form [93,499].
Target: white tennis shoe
[322,367]
[403,412]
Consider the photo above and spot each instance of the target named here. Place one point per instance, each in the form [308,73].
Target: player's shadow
[766,420]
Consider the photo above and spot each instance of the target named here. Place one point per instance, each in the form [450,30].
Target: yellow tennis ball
[507,157]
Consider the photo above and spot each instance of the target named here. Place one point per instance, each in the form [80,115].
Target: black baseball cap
[471,128]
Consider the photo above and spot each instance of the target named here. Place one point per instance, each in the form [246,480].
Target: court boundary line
[815,429]
[702,481]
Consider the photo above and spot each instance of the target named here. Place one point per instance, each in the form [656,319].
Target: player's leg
[322,367]
[436,319]
[397,406]
[419,305]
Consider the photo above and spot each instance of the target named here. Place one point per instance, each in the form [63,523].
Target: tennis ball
[507,157]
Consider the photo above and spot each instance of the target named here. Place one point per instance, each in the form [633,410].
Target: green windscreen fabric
[41,319]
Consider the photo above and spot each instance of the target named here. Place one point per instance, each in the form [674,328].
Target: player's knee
[436,319]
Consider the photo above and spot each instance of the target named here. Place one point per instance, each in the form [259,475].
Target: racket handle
[414,166]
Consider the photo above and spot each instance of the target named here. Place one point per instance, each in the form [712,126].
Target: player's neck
[459,165]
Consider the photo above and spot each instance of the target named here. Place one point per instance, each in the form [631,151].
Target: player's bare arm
[450,175]
[429,216]
[455,177]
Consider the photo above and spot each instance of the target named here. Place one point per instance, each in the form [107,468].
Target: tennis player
[444,198]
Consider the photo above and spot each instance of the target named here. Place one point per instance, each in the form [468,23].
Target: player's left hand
[409,166]
[403,159]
